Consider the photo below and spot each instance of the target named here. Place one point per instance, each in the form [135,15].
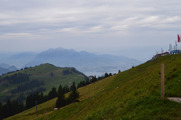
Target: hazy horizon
[135,29]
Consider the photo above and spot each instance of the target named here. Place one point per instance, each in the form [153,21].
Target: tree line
[27,86]
[62,101]
[16,78]
[93,79]
[40,98]
[13,107]
[10,108]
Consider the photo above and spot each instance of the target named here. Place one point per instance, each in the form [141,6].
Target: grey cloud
[81,22]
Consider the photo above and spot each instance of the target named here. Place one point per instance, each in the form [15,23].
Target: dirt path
[176,99]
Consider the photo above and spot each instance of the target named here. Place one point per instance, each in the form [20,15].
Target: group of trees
[40,98]
[33,98]
[10,108]
[93,79]
[27,86]
[62,101]
[24,85]
[14,107]
[16,78]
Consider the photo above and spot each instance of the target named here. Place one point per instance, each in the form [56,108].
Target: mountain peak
[88,63]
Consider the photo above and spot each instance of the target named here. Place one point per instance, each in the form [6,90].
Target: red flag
[178,37]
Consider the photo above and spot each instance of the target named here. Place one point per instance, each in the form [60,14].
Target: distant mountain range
[88,63]
[5,68]
[17,59]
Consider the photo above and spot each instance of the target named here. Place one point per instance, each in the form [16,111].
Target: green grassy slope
[50,75]
[130,95]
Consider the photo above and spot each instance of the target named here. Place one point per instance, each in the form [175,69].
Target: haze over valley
[88,63]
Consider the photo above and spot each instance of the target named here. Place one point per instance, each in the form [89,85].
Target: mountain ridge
[5,68]
[85,62]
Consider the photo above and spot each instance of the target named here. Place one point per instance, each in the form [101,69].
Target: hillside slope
[130,95]
[41,78]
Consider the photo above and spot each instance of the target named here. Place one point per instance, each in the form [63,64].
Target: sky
[132,28]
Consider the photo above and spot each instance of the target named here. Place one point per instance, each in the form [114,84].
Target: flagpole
[175,45]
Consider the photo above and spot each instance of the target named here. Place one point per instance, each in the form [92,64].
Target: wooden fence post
[162,82]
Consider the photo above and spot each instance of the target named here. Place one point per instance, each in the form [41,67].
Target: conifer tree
[74,94]
[53,93]
[106,75]
[61,98]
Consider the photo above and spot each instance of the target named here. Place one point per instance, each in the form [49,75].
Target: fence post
[162,83]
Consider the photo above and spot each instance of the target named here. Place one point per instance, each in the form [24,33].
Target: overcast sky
[133,28]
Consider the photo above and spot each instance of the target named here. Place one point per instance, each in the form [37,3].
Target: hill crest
[40,78]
